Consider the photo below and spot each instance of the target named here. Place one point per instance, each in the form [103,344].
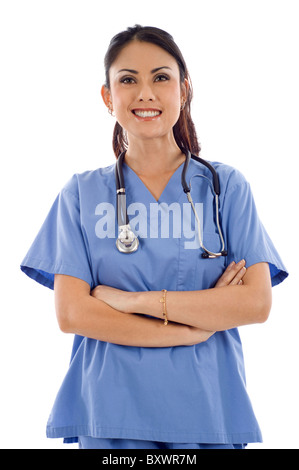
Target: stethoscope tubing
[122,216]
[186,188]
[121,192]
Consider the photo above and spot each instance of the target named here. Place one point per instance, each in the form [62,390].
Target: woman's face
[145,90]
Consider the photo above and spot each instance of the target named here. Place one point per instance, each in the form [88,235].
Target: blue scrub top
[192,394]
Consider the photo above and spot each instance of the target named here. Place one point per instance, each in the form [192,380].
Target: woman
[157,359]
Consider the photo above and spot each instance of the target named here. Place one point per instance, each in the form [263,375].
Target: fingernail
[230,265]
[241,262]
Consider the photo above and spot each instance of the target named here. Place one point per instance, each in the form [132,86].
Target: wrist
[148,303]
[130,302]
[136,303]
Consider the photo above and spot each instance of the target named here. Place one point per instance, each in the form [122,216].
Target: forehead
[143,56]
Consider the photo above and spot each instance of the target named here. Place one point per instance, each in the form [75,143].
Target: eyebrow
[135,71]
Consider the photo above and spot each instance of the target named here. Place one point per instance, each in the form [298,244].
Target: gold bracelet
[163,301]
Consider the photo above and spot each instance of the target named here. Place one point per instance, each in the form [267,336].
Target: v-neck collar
[136,190]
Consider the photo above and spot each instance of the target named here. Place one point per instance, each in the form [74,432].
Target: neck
[150,156]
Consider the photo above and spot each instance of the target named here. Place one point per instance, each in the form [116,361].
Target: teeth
[145,114]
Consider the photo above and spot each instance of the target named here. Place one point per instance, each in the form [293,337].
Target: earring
[110,109]
[183,105]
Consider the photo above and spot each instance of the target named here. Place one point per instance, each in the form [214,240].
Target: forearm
[214,309]
[95,319]
[211,309]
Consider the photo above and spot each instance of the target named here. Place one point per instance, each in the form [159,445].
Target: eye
[127,80]
[161,78]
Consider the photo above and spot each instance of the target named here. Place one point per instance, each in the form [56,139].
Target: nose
[146,93]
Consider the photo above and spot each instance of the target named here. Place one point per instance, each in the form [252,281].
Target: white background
[243,61]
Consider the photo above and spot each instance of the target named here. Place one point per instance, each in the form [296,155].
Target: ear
[106,95]
[185,90]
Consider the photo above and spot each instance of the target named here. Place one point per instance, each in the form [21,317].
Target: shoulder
[84,182]
[229,177]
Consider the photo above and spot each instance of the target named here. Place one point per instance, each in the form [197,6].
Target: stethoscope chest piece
[127,242]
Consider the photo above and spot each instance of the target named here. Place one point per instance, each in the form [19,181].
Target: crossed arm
[240,297]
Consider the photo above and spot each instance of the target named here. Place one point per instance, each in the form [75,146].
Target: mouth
[146,113]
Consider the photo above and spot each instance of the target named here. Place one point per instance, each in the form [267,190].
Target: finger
[227,276]
[236,271]
[238,277]
[230,273]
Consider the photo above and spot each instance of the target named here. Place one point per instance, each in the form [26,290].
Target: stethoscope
[127,241]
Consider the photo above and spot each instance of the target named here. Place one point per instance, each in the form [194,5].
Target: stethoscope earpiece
[206,255]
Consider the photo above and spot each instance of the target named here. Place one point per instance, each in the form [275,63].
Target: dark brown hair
[184,130]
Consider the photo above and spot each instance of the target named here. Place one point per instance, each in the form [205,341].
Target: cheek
[120,99]
[121,108]
[119,103]
[172,94]
[173,104]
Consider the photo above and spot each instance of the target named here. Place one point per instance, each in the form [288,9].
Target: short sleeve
[246,236]
[59,247]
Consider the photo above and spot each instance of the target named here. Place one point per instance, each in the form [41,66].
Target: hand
[116,298]
[197,335]
[233,275]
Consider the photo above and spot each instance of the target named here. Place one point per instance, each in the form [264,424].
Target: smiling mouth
[146,113]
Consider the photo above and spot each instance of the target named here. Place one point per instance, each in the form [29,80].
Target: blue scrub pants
[86,442]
